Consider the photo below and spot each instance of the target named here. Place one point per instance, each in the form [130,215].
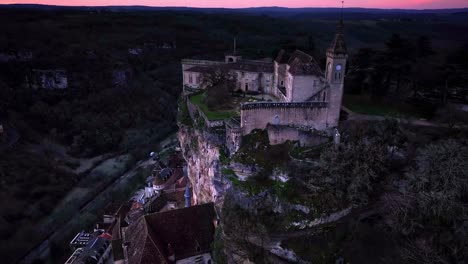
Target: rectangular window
[190,79]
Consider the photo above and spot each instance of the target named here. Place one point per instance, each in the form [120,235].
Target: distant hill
[257,10]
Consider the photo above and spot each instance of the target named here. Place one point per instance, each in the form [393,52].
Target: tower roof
[338,45]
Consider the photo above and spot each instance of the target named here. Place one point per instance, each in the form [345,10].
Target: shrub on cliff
[256,150]
[350,171]
[432,210]
[183,115]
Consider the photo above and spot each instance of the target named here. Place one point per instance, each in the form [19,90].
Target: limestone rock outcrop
[201,151]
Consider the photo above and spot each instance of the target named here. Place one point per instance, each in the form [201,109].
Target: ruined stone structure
[49,79]
[301,95]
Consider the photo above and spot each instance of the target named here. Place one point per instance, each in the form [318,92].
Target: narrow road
[42,248]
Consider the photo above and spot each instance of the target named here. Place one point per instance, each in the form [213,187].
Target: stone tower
[335,73]
[232,57]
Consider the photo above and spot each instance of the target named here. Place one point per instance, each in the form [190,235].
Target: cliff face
[201,152]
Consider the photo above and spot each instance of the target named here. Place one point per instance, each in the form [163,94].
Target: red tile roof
[189,232]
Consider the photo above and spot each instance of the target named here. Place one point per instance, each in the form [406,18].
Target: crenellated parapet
[269,105]
[260,115]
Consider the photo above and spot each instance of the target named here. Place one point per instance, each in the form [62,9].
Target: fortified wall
[259,115]
[278,134]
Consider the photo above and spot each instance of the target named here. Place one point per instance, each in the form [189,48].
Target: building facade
[299,93]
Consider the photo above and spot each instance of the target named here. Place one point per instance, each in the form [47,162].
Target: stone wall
[259,115]
[248,81]
[278,134]
[195,112]
[305,86]
[233,136]
[192,79]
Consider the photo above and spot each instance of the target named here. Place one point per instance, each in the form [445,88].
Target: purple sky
[418,4]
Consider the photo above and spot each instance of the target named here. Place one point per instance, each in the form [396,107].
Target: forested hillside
[124,77]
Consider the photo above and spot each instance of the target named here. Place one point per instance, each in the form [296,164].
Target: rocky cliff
[201,151]
[287,204]
[254,221]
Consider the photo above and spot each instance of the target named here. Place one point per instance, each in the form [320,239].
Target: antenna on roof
[340,24]
[342,7]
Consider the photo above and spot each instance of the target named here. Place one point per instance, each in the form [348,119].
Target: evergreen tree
[424,47]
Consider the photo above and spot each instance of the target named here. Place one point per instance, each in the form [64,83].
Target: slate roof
[248,66]
[338,45]
[251,66]
[189,232]
[201,69]
[300,63]
[158,203]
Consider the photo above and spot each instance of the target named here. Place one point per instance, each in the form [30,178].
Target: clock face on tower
[338,67]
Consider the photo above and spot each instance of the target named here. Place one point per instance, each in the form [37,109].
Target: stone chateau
[296,99]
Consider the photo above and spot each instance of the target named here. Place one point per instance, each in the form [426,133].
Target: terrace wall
[195,112]
[307,114]
[278,134]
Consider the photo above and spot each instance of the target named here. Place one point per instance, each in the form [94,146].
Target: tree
[424,47]
[219,84]
[310,44]
[362,71]
[397,62]
[432,209]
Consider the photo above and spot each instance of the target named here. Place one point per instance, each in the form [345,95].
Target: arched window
[276,120]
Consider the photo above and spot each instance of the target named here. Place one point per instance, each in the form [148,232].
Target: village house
[90,248]
[175,236]
[298,100]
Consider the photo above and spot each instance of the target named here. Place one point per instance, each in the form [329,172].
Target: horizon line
[229,8]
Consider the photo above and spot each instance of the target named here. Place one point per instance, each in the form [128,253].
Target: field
[365,105]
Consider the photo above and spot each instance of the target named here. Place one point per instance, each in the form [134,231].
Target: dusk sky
[419,4]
